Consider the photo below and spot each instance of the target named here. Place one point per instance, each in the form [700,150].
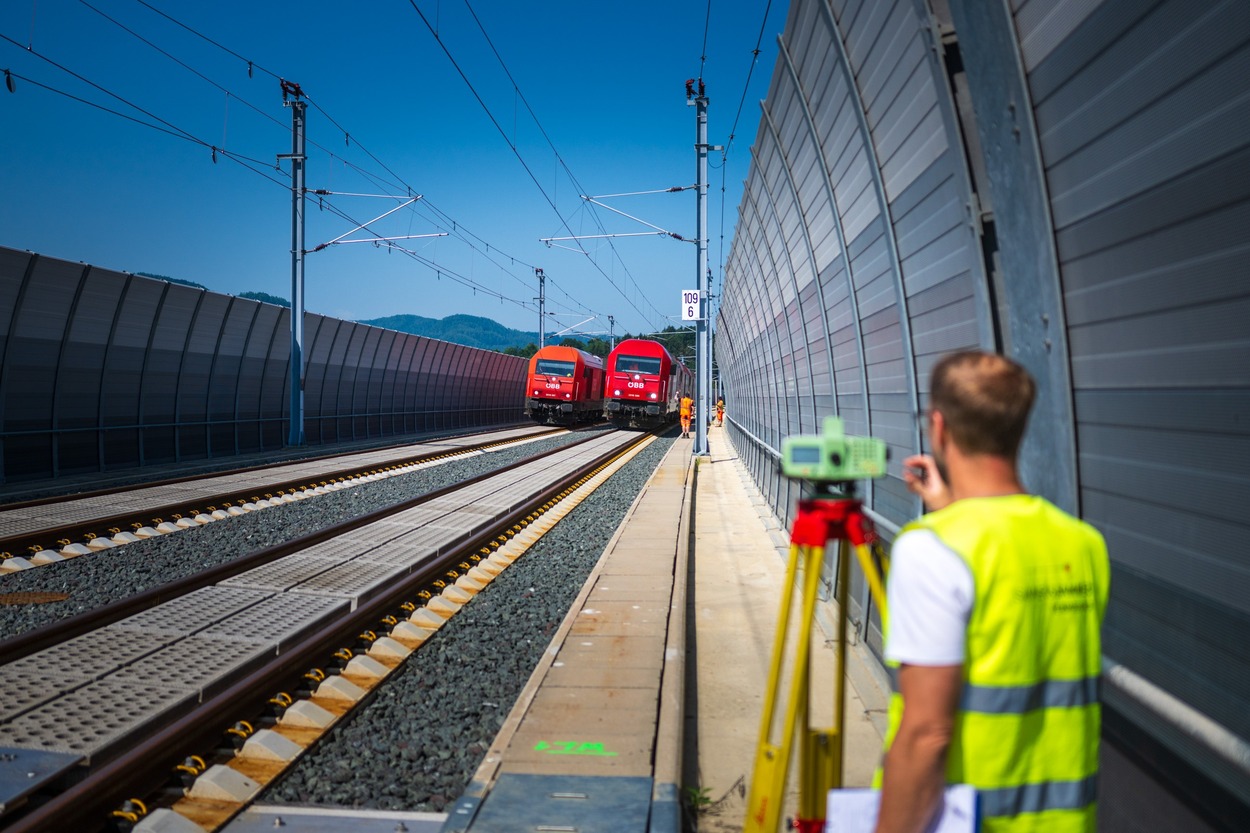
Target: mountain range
[470,330]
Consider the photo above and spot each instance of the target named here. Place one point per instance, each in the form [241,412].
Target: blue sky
[389,112]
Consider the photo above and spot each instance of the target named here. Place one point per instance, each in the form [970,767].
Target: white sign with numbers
[690,305]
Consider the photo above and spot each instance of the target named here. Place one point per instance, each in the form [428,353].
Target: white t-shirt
[930,593]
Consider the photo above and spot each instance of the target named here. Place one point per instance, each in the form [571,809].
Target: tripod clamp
[824,518]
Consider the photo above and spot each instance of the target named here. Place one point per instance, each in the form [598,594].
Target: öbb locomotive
[644,384]
[565,386]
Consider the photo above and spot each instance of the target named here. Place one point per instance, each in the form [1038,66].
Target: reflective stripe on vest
[1038,798]
[1048,694]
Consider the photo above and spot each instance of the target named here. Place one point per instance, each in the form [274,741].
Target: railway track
[383,582]
[48,530]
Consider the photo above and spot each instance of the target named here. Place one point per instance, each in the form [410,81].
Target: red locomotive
[565,386]
[644,384]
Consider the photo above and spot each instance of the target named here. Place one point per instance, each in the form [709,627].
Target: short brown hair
[984,399]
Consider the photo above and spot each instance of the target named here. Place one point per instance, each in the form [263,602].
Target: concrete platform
[658,674]
[739,564]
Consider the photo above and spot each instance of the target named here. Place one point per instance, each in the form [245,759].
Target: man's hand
[921,476]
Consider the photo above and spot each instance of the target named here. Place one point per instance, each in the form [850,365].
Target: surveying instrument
[832,462]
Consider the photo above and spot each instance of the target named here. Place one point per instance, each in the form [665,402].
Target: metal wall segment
[860,112]
[806,285]
[103,370]
[1035,333]
[1111,143]
[1143,127]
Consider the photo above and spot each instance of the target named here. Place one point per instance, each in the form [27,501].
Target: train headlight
[655,396]
[616,393]
[536,393]
[568,396]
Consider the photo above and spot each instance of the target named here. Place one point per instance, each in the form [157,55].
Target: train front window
[547,367]
[638,364]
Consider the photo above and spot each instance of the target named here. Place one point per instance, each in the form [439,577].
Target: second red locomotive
[565,386]
[644,384]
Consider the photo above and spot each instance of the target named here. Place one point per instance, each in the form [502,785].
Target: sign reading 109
[690,305]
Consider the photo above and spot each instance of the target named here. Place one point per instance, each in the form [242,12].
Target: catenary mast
[703,365]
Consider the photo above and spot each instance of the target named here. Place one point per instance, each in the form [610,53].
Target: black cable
[398,180]
[169,129]
[564,165]
[707,22]
[755,56]
[520,158]
[250,64]
[180,63]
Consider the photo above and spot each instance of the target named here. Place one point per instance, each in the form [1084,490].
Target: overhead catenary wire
[505,262]
[724,166]
[455,229]
[170,130]
[707,23]
[517,90]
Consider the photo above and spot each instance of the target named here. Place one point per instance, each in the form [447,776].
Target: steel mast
[295,436]
[703,365]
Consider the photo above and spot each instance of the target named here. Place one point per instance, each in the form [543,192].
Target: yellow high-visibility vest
[1026,732]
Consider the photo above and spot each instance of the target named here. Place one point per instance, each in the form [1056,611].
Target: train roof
[560,352]
[641,347]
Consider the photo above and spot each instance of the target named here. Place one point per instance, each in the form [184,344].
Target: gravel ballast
[417,742]
[94,580]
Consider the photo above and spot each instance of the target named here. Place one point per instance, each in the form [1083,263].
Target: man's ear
[937,429]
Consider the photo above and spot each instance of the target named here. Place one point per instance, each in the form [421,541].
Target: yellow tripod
[824,518]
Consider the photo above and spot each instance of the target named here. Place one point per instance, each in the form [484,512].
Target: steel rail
[49,635]
[204,475]
[86,805]
[84,530]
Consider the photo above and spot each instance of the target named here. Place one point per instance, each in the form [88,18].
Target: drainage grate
[339,549]
[282,574]
[90,655]
[193,663]
[22,690]
[278,619]
[193,612]
[351,580]
[91,718]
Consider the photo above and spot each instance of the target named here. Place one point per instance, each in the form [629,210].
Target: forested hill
[470,330]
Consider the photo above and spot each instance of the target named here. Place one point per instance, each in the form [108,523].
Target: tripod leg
[772,760]
[769,756]
[876,583]
[821,762]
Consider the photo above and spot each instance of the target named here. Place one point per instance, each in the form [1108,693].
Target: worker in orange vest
[720,412]
[686,411]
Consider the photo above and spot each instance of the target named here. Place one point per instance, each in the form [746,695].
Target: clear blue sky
[605,81]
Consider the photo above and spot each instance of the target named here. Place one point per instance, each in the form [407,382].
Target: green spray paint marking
[572,747]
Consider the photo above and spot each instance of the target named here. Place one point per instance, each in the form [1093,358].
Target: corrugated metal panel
[1134,316]
[109,370]
[1044,24]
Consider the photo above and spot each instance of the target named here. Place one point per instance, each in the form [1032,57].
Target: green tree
[266,298]
[171,280]
[524,352]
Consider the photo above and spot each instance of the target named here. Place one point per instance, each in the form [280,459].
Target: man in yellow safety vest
[995,601]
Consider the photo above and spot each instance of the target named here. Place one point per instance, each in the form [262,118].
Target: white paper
[855,811]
